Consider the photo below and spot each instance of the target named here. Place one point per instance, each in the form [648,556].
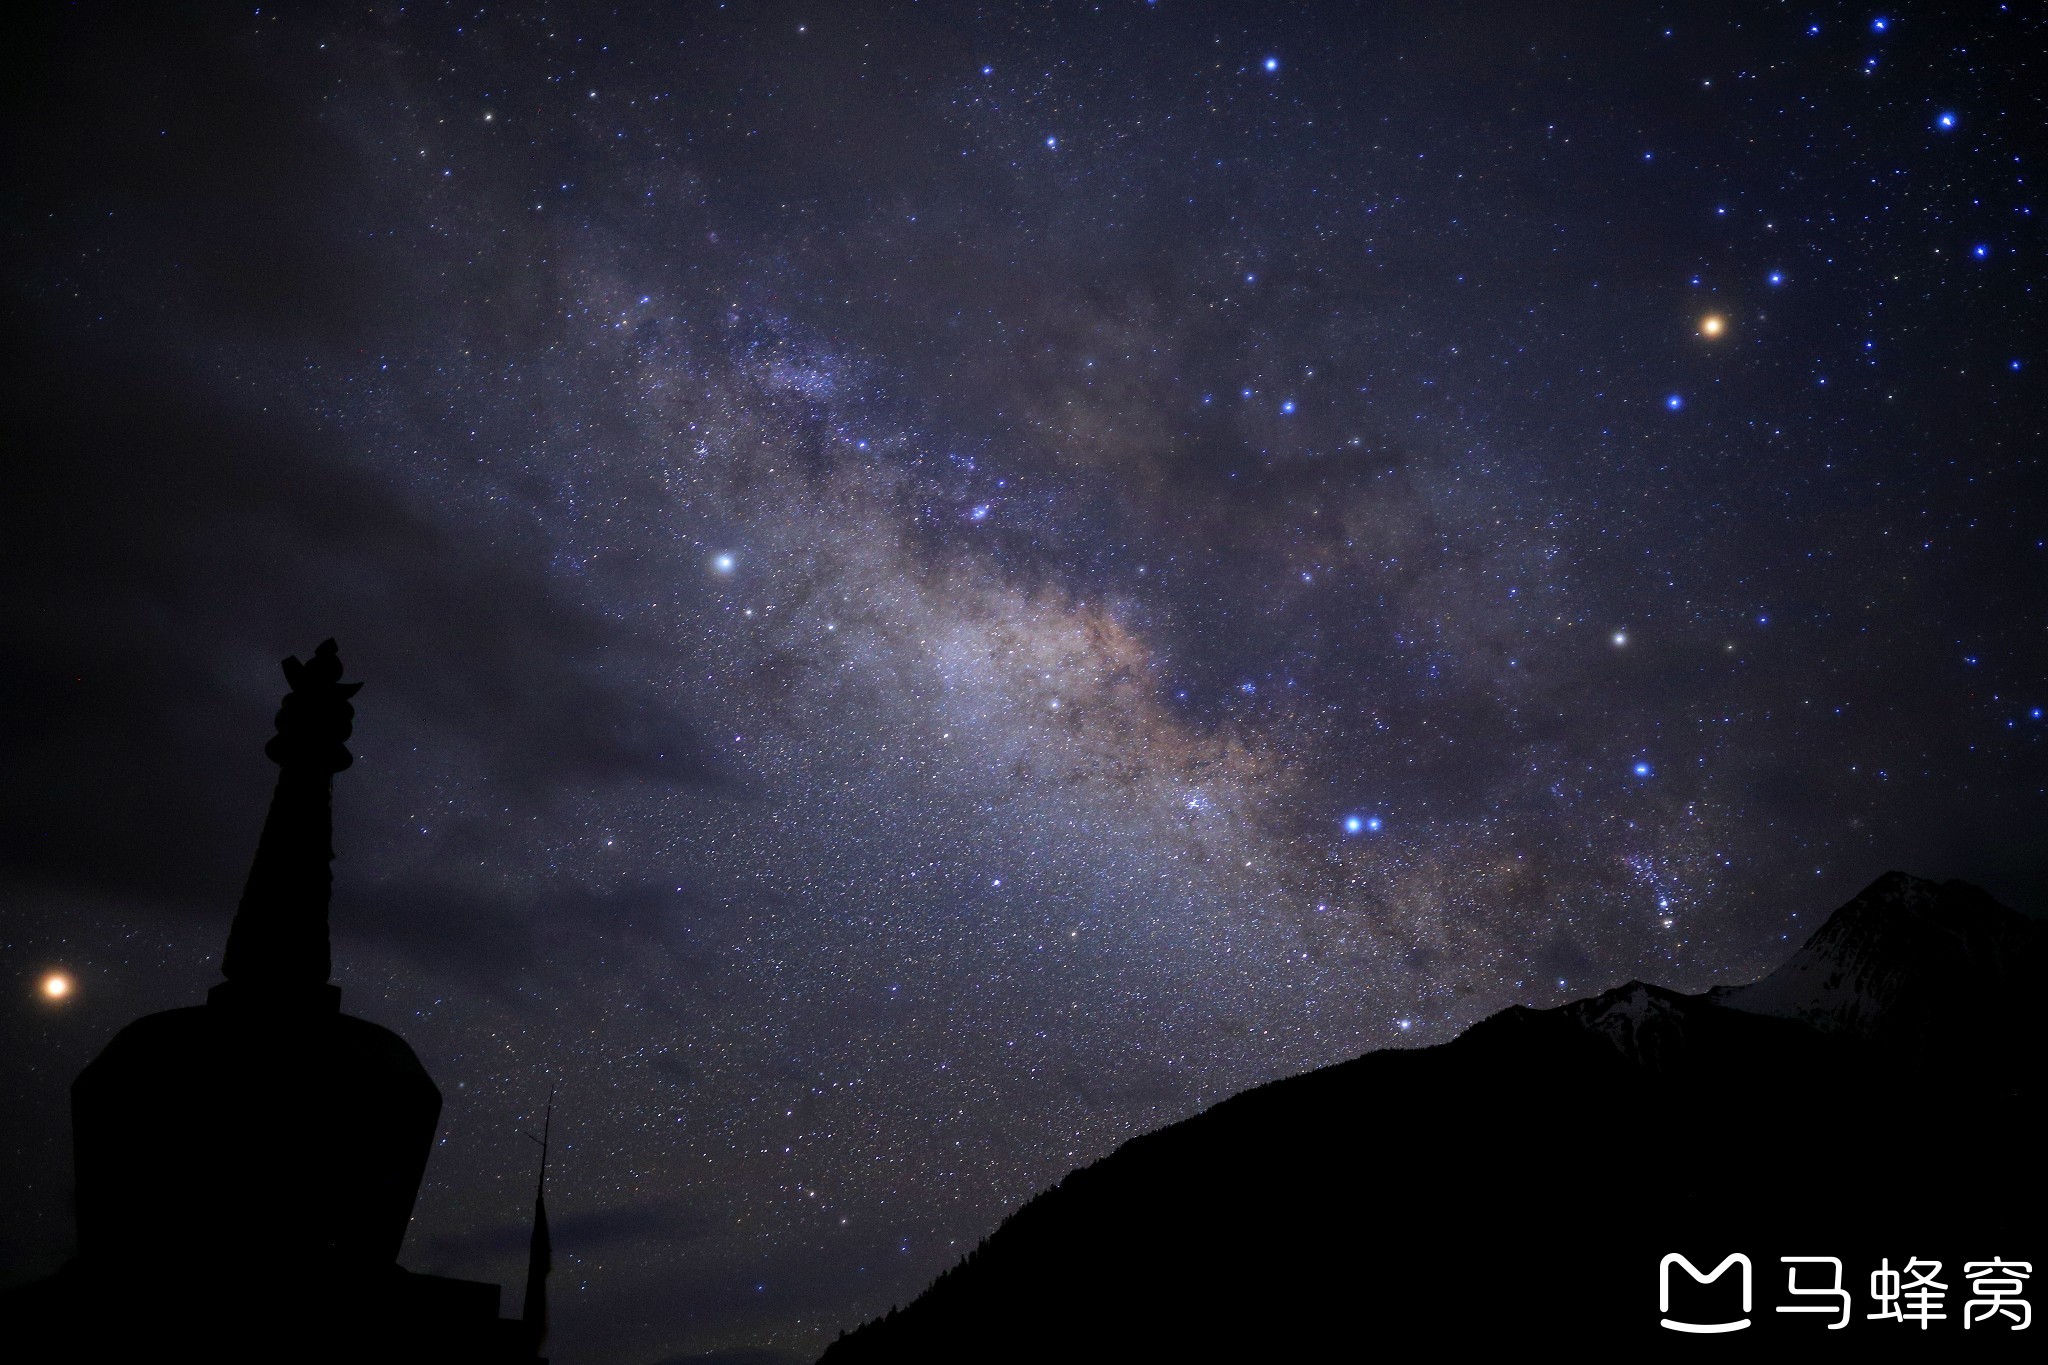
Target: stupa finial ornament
[278,950]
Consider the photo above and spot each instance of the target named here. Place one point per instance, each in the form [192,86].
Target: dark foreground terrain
[1874,1100]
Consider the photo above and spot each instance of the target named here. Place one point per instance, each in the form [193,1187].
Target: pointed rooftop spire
[278,947]
[540,1251]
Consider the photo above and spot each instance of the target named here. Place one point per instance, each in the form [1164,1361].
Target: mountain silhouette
[246,1168]
[1873,1100]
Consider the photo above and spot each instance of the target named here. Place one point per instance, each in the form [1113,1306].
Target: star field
[943,586]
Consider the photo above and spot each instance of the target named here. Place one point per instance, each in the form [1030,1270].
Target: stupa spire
[278,945]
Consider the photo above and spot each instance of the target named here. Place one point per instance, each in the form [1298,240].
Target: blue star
[1775,278]
[1642,769]
[1271,63]
[1980,251]
[979,512]
[1287,407]
[1945,121]
[1880,24]
[1053,143]
[1674,402]
[1354,825]
[723,565]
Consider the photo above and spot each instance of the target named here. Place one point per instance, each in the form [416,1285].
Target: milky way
[942,587]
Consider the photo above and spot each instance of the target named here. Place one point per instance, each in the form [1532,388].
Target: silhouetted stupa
[246,1168]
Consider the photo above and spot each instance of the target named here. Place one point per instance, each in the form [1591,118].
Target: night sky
[942,586]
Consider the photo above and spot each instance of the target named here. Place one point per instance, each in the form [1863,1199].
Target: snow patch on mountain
[1900,955]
